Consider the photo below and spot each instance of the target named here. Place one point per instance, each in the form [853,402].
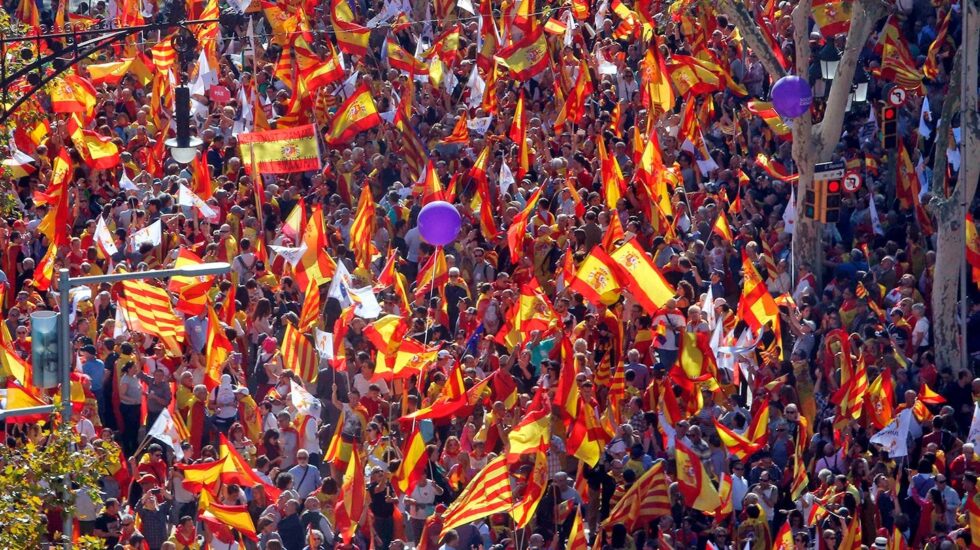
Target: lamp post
[65,284]
[829,58]
[861,86]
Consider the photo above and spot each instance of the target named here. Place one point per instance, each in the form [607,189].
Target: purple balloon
[791,96]
[439,223]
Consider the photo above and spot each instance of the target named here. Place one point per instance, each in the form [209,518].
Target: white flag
[303,401]
[152,234]
[789,215]
[367,303]
[292,255]
[480,125]
[506,178]
[165,430]
[103,239]
[119,328]
[477,88]
[186,197]
[324,343]
[341,285]
[924,115]
[875,220]
[894,436]
[127,184]
[974,435]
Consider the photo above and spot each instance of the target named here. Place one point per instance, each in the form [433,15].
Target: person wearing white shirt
[421,505]
[740,487]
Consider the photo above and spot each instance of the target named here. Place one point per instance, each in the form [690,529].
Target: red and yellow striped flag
[644,501]
[756,436]
[217,348]
[147,310]
[299,355]
[192,292]
[362,230]
[487,493]
[537,480]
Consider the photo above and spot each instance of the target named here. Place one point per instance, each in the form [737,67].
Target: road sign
[897,96]
[852,182]
[828,170]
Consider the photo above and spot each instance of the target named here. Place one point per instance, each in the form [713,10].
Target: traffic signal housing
[889,127]
[832,201]
[44,348]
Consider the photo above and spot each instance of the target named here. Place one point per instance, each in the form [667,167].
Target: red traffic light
[833,186]
[888,113]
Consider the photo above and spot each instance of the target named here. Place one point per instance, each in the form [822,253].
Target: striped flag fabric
[527,57]
[309,316]
[755,438]
[299,354]
[350,506]
[768,114]
[235,517]
[164,55]
[413,464]
[645,500]
[537,480]
[362,230]
[236,470]
[487,493]
[775,169]
[201,475]
[356,115]
[217,347]
[577,540]
[642,277]
[147,309]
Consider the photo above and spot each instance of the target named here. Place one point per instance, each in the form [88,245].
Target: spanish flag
[114,71]
[756,307]
[775,169]
[721,228]
[73,94]
[973,248]
[755,437]
[694,483]
[201,475]
[351,37]
[281,151]
[768,114]
[22,397]
[597,278]
[526,57]
[643,278]
[356,115]
[99,152]
[784,538]
[882,396]
[400,59]
[691,76]
[833,17]
[413,465]
[217,347]
[192,292]
[235,517]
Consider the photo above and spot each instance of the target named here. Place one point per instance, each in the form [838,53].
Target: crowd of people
[657,396]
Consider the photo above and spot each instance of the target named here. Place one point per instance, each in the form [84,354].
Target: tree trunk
[950,211]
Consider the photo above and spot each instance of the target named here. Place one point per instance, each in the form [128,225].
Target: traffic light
[810,204]
[889,127]
[832,201]
[44,348]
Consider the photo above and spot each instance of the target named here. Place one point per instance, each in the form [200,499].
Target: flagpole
[428,315]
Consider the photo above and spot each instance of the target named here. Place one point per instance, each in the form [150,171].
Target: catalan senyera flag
[973,248]
[73,94]
[852,535]
[756,306]
[641,276]
[356,115]
[755,437]
[164,55]
[299,354]
[217,348]
[528,56]
[235,517]
[597,278]
[281,151]
[695,485]
[362,230]
[309,316]
[148,310]
[192,292]
[487,493]
[931,67]
[644,501]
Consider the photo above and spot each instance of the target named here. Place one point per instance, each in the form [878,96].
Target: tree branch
[969,118]
[753,36]
[950,104]
[865,14]
[802,126]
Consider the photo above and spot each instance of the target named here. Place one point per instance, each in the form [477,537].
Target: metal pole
[64,352]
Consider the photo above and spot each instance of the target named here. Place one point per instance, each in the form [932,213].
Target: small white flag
[103,239]
[789,215]
[477,88]
[894,436]
[875,220]
[479,125]
[925,115]
[324,343]
[127,184]
[165,430]
[303,401]
[292,255]
[341,285]
[506,178]
[152,234]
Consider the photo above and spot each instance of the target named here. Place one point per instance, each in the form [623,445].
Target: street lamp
[184,147]
[829,58]
[65,284]
[861,86]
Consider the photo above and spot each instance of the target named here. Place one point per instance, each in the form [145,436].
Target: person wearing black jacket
[290,528]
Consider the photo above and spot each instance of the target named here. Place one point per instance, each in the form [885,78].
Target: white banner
[894,436]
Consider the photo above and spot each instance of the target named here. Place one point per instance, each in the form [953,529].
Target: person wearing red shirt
[969,461]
